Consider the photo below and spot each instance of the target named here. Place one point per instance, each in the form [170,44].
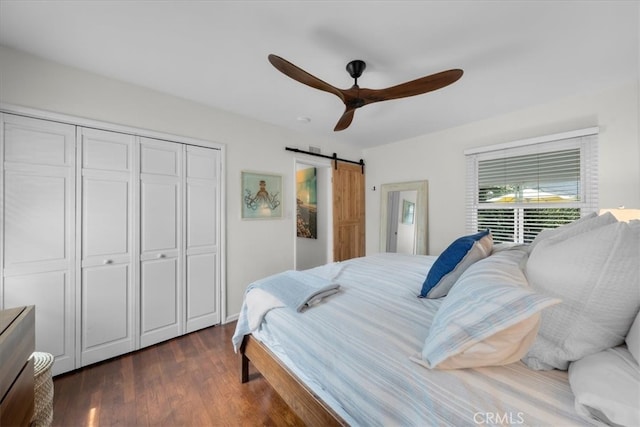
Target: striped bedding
[353,349]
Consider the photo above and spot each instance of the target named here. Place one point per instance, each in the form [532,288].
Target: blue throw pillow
[451,263]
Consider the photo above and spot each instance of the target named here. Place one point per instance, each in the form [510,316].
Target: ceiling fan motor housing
[355,68]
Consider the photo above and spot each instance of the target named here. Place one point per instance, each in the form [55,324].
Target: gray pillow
[596,275]
[633,339]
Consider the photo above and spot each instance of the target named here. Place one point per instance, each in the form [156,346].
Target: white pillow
[596,275]
[586,223]
[633,339]
[606,386]
[490,317]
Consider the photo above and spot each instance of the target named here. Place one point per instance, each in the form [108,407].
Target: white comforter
[354,350]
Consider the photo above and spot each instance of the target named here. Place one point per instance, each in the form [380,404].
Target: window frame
[586,140]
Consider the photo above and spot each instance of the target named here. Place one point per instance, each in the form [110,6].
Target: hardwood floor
[193,380]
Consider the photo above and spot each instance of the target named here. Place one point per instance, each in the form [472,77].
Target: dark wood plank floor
[193,380]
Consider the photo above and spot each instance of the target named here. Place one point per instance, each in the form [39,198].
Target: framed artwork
[261,195]
[306,203]
[408,209]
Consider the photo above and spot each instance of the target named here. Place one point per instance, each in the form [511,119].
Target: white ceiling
[514,54]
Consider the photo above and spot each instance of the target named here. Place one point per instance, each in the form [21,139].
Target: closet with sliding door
[112,234]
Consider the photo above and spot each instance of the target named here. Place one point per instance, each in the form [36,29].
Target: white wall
[254,248]
[439,157]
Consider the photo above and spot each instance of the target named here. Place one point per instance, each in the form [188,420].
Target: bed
[370,352]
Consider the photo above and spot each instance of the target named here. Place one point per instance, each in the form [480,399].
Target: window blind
[520,189]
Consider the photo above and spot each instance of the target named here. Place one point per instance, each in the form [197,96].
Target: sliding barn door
[348,211]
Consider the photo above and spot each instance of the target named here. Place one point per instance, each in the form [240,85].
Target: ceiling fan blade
[297,73]
[355,97]
[412,88]
[345,119]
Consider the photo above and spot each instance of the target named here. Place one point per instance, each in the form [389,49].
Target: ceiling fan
[355,97]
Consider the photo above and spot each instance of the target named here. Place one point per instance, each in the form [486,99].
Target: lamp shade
[623,214]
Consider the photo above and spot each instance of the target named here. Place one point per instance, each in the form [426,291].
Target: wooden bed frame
[304,402]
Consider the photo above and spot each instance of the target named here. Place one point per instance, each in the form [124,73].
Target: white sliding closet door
[107,238]
[202,251]
[161,241]
[115,237]
[38,254]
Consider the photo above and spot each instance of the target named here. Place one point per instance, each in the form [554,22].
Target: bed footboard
[306,404]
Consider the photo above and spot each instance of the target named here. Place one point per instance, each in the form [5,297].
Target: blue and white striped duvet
[353,350]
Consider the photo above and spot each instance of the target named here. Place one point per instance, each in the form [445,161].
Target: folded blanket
[258,302]
[294,289]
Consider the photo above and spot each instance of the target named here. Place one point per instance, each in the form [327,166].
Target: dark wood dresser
[17,344]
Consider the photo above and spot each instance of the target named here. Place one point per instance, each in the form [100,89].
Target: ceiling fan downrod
[355,69]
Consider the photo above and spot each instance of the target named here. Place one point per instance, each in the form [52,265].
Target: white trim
[230,319]
[535,140]
[77,266]
[2,307]
[100,125]
[222,231]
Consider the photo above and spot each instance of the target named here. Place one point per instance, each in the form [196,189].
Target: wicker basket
[43,411]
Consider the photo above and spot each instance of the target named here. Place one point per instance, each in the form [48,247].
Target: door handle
[107,261]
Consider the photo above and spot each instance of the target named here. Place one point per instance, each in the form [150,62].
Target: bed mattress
[353,349]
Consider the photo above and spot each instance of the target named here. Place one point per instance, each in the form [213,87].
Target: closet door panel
[161,279]
[107,232]
[202,163]
[201,292]
[160,310]
[49,292]
[201,214]
[105,217]
[106,314]
[35,218]
[160,157]
[160,215]
[106,151]
[38,142]
[38,224]
[202,258]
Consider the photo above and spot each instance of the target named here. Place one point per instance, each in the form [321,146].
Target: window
[519,189]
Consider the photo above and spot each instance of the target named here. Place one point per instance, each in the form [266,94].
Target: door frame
[328,199]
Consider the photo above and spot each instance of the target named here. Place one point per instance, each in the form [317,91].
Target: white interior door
[38,253]
[107,235]
[161,241]
[202,251]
